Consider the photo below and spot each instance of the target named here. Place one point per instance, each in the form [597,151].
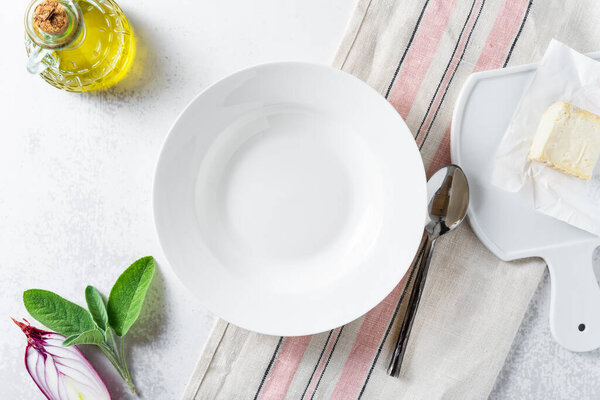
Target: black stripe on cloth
[412,36]
[451,77]
[262,381]
[437,89]
[389,328]
[327,363]
[316,364]
[514,43]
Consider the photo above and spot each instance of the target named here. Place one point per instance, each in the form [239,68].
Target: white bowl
[289,198]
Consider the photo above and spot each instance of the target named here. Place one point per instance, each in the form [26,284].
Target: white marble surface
[76,170]
[538,368]
[76,176]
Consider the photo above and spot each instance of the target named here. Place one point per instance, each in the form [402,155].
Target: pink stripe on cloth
[442,155]
[452,66]
[494,52]
[425,45]
[365,346]
[322,363]
[281,374]
[503,32]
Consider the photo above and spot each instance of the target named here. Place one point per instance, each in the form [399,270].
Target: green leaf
[93,336]
[96,307]
[57,313]
[127,295]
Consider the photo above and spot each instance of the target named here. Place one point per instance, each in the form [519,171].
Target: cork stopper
[51,17]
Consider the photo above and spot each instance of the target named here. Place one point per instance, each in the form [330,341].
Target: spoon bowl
[447,200]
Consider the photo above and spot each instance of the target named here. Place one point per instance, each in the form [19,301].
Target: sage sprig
[99,324]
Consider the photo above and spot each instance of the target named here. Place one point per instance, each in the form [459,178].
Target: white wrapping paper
[562,75]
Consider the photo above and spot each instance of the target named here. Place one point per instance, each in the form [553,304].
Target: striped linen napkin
[417,54]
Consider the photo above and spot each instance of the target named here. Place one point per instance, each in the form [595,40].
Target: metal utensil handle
[411,311]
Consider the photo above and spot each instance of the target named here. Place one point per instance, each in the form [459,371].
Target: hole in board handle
[581,327]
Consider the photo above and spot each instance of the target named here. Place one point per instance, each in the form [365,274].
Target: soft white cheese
[567,139]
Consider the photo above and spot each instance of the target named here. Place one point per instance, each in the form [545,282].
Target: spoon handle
[411,311]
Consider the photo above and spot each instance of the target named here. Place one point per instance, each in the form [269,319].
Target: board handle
[575,298]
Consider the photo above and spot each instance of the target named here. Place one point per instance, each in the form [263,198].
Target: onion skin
[61,373]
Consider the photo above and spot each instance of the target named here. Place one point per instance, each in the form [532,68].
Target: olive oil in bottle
[78,45]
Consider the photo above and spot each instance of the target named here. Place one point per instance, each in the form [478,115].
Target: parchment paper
[563,75]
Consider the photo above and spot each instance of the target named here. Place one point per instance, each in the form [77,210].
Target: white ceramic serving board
[507,223]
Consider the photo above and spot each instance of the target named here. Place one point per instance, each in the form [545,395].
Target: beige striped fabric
[417,54]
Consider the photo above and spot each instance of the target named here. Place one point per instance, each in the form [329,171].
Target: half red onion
[61,373]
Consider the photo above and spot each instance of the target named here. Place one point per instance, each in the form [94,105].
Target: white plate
[289,198]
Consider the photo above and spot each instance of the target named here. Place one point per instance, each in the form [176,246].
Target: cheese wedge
[567,139]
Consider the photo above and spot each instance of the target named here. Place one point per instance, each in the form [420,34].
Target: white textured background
[76,176]
[76,170]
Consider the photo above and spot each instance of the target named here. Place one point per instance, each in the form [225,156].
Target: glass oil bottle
[78,45]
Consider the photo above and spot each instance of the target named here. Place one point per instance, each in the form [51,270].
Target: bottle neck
[54,24]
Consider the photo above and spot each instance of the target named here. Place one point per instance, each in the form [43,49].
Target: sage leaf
[96,307]
[57,313]
[127,295]
[94,336]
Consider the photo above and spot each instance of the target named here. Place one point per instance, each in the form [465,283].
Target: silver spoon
[448,198]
